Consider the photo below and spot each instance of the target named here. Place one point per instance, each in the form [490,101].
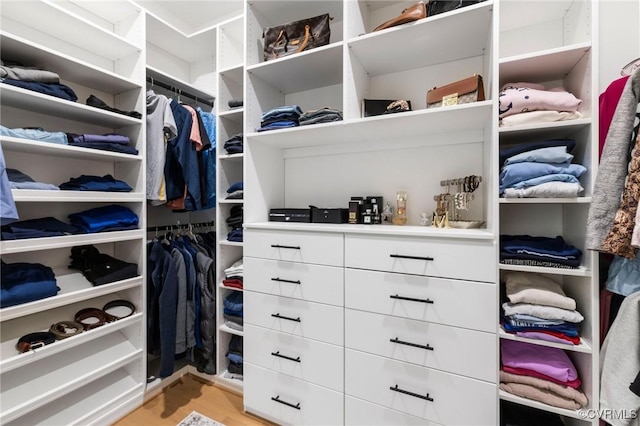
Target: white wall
[619,30]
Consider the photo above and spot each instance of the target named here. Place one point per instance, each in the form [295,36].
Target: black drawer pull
[286,281]
[286,247]
[286,318]
[415,345]
[411,299]
[402,256]
[277,399]
[397,389]
[285,357]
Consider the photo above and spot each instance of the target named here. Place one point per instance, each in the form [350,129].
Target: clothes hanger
[630,67]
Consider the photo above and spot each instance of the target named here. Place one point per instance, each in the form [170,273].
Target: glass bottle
[400,218]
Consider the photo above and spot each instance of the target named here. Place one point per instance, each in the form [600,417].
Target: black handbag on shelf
[297,36]
[435,7]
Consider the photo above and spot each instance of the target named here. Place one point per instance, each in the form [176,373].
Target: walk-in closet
[434,205]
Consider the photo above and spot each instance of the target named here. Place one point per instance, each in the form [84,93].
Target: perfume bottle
[400,218]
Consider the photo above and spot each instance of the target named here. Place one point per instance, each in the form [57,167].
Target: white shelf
[230,243]
[189,48]
[12,359]
[409,231]
[69,68]
[50,105]
[230,330]
[579,272]
[34,195]
[233,384]
[74,29]
[506,396]
[223,201]
[309,69]
[459,34]
[236,115]
[23,390]
[234,73]
[584,346]
[93,399]
[48,243]
[232,157]
[467,117]
[230,288]
[179,84]
[74,287]
[577,200]
[546,65]
[558,129]
[64,151]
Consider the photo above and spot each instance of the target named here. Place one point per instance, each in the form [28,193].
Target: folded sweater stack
[541,374]
[528,103]
[539,309]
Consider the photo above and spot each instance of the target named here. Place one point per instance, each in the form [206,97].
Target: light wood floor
[187,394]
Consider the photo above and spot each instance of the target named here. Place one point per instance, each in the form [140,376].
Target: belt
[91,318]
[64,329]
[35,340]
[118,309]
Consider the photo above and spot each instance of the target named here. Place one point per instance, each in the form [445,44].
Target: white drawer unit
[314,248]
[473,260]
[362,413]
[315,283]
[445,301]
[423,343]
[434,395]
[290,401]
[301,318]
[306,359]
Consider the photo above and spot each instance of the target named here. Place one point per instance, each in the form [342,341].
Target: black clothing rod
[180,92]
[170,227]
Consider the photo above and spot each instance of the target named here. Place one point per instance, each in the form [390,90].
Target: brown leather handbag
[463,91]
[412,13]
[294,37]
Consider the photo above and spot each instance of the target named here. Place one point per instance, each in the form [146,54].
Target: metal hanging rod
[178,91]
[180,225]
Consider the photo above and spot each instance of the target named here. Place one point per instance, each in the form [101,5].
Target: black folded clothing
[100,268]
[94,101]
[235,103]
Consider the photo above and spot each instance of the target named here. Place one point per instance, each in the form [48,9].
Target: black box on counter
[290,215]
[333,215]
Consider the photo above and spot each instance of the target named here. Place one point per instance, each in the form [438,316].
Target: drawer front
[298,317]
[317,248]
[468,259]
[431,345]
[443,301]
[306,359]
[362,413]
[315,283]
[290,401]
[434,395]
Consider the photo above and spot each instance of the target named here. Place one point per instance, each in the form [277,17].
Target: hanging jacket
[206,283]
[612,172]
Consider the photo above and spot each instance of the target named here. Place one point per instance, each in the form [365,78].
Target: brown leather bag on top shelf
[295,37]
[462,91]
[412,13]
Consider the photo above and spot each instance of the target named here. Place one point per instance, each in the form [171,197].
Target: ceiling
[190,16]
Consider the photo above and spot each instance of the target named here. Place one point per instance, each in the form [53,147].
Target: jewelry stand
[449,207]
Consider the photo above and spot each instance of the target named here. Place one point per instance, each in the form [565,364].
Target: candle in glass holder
[400,218]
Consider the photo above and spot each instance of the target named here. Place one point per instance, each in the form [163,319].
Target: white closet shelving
[186,63]
[96,48]
[230,169]
[305,282]
[323,165]
[555,44]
